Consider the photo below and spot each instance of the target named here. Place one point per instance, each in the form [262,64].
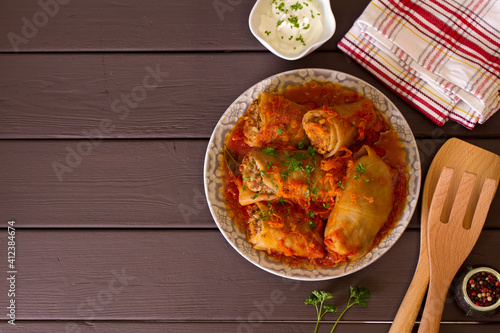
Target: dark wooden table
[106,108]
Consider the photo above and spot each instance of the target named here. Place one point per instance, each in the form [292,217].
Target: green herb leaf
[280,131]
[357,295]
[318,299]
[312,152]
[360,168]
[339,184]
[281,201]
[270,151]
[296,6]
[294,20]
[301,39]
[311,225]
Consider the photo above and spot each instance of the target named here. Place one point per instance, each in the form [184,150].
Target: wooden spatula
[447,155]
[463,195]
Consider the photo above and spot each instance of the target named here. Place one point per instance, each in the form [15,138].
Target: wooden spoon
[408,311]
[461,200]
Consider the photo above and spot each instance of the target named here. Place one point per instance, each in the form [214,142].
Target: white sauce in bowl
[291,26]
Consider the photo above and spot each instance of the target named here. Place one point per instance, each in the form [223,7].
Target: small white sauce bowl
[329,26]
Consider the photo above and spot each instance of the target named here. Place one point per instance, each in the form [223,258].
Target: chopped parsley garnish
[327,206]
[300,145]
[311,225]
[282,8]
[312,152]
[306,27]
[296,6]
[356,176]
[280,131]
[269,165]
[311,214]
[308,169]
[290,38]
[339,184]
[315,190]
[293,162]
[267,32]
[294,20]
[279,23]
[270,151]
[360,168]
[366,179]
[281,201]
[301,39]
[254,197]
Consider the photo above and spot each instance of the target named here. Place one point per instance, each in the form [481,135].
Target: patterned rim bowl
[213,182]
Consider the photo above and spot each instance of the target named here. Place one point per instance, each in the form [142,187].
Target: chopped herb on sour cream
[290,25]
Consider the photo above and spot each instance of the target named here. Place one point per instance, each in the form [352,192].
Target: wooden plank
[116,96]
[118,184]
[125,183]
[151,25]
[182,275]
[214,327]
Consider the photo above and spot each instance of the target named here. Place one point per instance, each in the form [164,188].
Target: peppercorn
[483,289]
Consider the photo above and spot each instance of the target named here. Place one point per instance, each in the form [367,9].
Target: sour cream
[291,26]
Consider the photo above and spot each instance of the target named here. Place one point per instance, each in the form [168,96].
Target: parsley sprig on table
[357,295]
[318,299]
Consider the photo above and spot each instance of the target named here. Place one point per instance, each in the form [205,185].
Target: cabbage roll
[273,118]
[332,128]
[363,207]
[271,174]
[290,232]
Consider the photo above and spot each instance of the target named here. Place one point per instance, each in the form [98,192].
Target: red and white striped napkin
[440,56]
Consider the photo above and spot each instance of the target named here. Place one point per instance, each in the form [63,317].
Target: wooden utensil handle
[408,311]
[431,318]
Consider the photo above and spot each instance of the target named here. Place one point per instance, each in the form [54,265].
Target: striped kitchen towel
[440,56]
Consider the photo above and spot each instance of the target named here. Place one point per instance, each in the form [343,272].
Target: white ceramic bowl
[329,26]
[213,181]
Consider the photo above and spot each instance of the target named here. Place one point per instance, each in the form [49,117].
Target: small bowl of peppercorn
[477,291]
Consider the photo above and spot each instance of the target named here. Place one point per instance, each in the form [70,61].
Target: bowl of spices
[477,291]
[292,29]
